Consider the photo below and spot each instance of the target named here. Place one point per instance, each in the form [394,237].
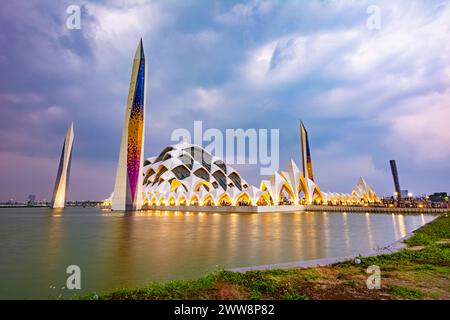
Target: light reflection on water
[369,231]
[117,250]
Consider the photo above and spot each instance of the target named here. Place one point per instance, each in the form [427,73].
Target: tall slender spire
[62,177]
[139,51]
[128,185]
[306,153]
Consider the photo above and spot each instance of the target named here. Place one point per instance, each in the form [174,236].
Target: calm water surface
[113,250]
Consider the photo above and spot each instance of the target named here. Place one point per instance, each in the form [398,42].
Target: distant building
[404,194]
[31,199]
[439,197]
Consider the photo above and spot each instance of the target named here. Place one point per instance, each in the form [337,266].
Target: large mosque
[185,176]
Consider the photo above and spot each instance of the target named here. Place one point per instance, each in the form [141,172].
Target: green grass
[276,284]
[294,296]
[406,293]
[179,289]
[437,230]
[435,254]
[406,274]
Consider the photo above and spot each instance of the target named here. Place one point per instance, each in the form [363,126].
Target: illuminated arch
[266,187]
[289,191]
[224,200]
[162,201]
[333,199]
[304,187]
[317,195]
[365,197]
[344,199]
[208,201]
[243,197]
[370,196]
[171,201]
[182,200]
[264,199]
[193,201]
[375,198]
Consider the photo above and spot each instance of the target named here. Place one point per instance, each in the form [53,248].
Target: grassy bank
[421,271]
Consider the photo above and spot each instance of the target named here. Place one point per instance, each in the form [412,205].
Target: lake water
[114,250]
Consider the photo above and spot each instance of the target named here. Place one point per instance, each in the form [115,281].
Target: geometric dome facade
[179,164]
[186,174]
[186,168]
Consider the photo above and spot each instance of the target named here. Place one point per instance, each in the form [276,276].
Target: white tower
[129,176]
[62,177]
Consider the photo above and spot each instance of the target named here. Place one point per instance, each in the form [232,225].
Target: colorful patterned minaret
[62,177]
[128,186]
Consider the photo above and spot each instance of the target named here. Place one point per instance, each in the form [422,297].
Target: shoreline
[304,264]
[261,209]
[299,208]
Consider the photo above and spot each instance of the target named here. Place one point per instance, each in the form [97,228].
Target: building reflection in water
[394,225]
[254,236]
[161,245]
[295,233]
[309,242]
[327,228]
[346,232]
[231,239]
[55,235]
[369,231]
[276,235]
[401,225]
[422,218]
[51,253]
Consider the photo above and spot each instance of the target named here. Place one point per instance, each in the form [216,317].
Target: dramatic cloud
[365,95]
[422,127]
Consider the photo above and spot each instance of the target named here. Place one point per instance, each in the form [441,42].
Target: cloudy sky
[366,95]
